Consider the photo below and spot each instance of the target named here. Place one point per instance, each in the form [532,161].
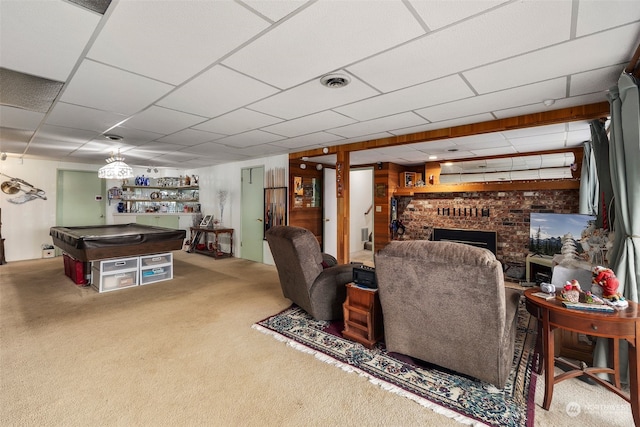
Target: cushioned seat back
[298,259]
[443,302]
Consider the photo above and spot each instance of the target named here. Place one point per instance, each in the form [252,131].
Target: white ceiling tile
[110,89]
[557,61]
[248,139]
[190,137]
[532,132]
[309,124]
[510,30]
[477,118]
[275,10]
[583,83]
[553,138]
[49,133]
[157,147]
[599,15]
[215,92]
[440,13]
[313,139]
[312,97]
[534,93]
[217,150]
[486,152]
[484,140]
[74,116]
[44,38]
[435,92]
[18,118]
[536,146]
[17,142]
[163,120]
[324,37]
[166,41]
[398,121]
[47,148]
[238,121]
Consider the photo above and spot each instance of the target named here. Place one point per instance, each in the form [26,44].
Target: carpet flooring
[459,397]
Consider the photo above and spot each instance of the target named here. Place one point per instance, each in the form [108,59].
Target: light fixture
[303,166]
[3,156]
[319,166]
[325,150]
[549,102]
[433,157]
[115,168]
[335,81]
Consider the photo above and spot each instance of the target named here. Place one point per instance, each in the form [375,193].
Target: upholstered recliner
[445,303]
[309,278]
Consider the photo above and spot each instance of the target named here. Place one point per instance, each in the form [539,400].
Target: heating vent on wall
[364,234]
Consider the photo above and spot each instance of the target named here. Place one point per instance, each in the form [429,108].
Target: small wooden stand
[198,233]
[362,316]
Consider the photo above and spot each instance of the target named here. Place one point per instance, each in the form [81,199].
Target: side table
[619,325]
[197,233]
[362,315]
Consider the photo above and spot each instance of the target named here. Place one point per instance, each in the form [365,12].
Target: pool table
[96,242]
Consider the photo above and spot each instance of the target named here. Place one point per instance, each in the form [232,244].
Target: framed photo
[206,221]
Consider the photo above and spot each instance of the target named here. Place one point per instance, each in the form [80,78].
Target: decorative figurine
[571,291]
[607,281]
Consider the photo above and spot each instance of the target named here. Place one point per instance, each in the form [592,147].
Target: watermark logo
[573,409]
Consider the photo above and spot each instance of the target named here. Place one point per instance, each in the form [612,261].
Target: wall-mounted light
[325,150]
[303,166]
[319,166]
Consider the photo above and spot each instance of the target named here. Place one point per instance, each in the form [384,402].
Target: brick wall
[506,213]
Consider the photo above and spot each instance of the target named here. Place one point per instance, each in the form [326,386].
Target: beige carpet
[183,352]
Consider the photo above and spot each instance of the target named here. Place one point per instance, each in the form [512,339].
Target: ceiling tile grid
[230,80]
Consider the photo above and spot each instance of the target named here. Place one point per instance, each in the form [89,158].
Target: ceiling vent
[112,137]
[335,81]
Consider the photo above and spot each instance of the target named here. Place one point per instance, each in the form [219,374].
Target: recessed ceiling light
[549,102]
[432,157]
[335,81]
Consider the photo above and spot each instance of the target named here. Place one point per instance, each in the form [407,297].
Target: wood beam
[343,212]
[563,115]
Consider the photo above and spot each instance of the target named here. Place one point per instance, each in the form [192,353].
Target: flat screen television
[547,229]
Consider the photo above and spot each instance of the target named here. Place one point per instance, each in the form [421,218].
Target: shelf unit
[164,199]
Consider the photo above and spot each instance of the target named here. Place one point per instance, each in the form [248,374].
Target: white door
[252,214]
[330,213]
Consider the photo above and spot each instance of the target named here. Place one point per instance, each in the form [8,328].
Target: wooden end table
[619,325]
[362,315]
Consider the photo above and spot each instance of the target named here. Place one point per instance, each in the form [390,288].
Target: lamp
[115,168]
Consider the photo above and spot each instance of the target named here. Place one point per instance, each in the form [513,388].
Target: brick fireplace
[505,212]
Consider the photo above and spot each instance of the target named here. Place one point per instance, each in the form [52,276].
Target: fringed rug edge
[380,383]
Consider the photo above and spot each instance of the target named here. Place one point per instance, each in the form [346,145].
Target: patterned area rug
[465,399]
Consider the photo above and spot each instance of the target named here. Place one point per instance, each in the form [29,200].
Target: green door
[80,199]
[252,231]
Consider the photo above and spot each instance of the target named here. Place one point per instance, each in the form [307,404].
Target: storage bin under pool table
[113,274]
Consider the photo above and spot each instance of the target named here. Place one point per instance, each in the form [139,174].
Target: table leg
[549,359]
[634,383]
[615,356]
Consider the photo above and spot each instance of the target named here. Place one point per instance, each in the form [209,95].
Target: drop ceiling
[189,84]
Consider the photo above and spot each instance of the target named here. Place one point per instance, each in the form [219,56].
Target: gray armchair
[308,277]
[445,303]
